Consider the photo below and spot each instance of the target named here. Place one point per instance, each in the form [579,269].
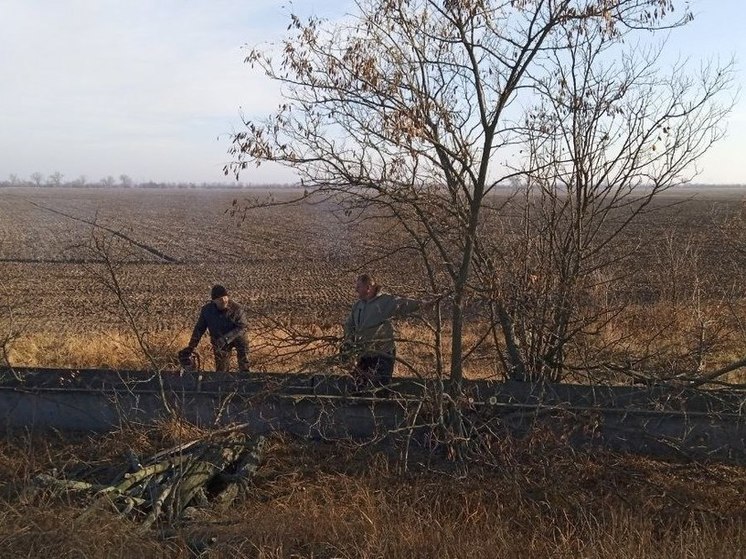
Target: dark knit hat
[218,291]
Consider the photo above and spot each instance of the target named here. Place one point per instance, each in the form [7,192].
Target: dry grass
[269,350]
[665,339]
[679,339]
[340,500]
[304,347]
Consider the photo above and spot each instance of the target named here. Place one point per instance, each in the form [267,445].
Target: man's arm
[239,319]
[391,306]
[404,306]
[199,329]
[397,307]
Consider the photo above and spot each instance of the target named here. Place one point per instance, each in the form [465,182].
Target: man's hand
[437,299]
[226,339]
[220,343]
[185,358]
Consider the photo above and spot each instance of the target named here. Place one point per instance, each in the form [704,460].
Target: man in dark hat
[226,323]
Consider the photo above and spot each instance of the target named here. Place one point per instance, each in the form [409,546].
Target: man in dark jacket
[226,323]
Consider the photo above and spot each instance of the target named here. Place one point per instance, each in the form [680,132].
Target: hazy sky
[152,89]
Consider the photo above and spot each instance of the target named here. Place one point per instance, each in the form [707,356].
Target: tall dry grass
[655,337]
[341,500]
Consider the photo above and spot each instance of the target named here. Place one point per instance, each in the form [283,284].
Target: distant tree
[13,180]
[37,178]
[412,110]
[108,181]
[125,181]
[55,179]
[80,181]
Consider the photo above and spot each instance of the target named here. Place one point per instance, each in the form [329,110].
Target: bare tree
[107,268]
[14,323]
[732,238]
[410,110]
[37,178]
[605,138]
[125,180]
[55,179]
[11,329]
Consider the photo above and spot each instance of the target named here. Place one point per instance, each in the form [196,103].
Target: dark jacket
[224,326]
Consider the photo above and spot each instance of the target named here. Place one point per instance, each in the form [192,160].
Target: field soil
[293,266]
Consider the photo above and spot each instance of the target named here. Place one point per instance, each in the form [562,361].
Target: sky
[153,89]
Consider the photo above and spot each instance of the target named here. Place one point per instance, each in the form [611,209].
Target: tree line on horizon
[56,180]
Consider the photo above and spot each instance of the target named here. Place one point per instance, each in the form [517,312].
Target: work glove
[185,358]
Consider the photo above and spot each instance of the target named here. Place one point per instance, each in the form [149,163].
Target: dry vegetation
[293,266]
[321,500]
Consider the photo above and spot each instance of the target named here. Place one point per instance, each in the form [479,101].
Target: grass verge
[344,500]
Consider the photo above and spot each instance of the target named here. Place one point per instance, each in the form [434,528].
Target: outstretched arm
[402,306]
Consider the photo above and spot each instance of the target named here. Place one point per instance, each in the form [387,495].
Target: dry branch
[165,485]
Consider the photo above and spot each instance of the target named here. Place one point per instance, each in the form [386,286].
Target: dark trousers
[374,369]
[223,356]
